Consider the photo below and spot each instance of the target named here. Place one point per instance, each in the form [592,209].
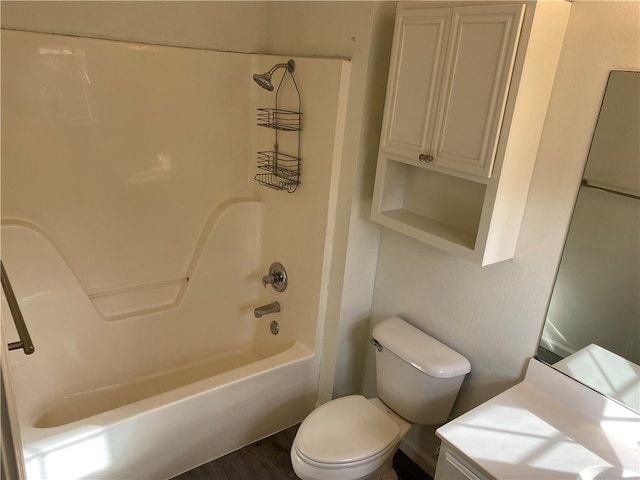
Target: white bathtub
[169,433]
[153,395]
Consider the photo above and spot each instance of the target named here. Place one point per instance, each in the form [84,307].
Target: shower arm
[290,66]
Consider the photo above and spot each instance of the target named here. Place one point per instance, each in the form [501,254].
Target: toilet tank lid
[419,349]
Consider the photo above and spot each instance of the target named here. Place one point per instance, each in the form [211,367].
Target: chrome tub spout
[266,309]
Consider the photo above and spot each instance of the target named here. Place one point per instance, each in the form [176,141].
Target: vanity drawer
[453,467]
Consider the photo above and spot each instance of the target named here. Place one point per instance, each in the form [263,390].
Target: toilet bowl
[349,438]
[353,438]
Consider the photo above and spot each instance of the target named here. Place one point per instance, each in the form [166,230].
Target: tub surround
[68,332]
[94,389]
[123,166]
[125,173]
[546,427]
[156,141]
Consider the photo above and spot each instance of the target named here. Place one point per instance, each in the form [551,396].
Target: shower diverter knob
[277,277]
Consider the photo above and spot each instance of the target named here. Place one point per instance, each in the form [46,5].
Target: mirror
[592,329]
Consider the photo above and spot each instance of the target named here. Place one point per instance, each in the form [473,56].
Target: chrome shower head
[264,79]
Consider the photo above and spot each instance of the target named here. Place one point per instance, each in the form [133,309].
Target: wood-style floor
[268,459]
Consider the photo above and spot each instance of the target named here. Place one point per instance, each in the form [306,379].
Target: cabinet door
[451,468]
[480,57]
[417,61]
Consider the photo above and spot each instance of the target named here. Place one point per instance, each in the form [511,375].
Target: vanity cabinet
[454,466]
[466,100]
[547,427]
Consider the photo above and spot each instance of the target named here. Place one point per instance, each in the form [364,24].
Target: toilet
[354,438]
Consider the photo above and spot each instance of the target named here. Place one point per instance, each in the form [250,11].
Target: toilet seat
[373,460]
[346,433]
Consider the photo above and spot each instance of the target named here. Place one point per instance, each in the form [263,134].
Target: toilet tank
[418,377]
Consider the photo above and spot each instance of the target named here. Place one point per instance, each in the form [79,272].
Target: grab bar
[25,339]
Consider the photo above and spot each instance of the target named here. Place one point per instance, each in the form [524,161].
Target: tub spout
[266,309]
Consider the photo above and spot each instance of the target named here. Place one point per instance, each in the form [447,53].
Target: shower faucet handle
[277,277]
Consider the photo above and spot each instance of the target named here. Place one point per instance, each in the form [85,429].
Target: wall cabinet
[452,73]
[466,100]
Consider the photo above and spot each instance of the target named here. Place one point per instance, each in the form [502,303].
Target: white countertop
[546,427]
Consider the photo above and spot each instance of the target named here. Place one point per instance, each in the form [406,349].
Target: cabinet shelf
[425,227]
[428,205]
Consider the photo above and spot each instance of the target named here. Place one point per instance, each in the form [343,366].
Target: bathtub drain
[275,328]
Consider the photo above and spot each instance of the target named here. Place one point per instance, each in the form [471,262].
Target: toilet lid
[346,430]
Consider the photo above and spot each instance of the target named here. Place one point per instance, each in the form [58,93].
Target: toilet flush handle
[376,344]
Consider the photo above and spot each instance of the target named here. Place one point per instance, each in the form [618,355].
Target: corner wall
[360,31]
[494,315]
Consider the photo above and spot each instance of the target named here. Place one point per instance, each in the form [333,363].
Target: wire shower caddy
[283,170]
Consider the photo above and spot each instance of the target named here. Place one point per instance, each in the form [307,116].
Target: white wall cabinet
[452,72]
[466,100]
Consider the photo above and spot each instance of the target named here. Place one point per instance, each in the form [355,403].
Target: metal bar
[585,183]
[12,464]
[25,339]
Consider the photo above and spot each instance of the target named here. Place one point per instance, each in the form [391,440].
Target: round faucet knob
[277,277]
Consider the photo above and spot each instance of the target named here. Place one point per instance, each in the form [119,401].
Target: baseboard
[424,460]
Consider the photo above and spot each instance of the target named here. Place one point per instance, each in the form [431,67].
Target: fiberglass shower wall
[122,153]
[119,152]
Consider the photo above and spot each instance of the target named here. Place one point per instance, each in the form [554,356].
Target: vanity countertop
[548,427]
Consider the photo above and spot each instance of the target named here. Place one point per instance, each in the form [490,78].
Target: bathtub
[155,394]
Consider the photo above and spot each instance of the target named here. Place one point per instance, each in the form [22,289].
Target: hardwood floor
[268,459]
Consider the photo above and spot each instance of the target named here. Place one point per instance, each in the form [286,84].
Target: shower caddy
[283,169]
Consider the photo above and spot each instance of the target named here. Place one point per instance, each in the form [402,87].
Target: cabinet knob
[425,158]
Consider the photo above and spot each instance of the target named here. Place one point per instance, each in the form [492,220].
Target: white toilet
[353,438]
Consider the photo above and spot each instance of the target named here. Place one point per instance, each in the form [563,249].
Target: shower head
[264,79]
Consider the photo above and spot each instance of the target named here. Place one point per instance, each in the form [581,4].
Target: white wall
[494,315]
[223,25]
